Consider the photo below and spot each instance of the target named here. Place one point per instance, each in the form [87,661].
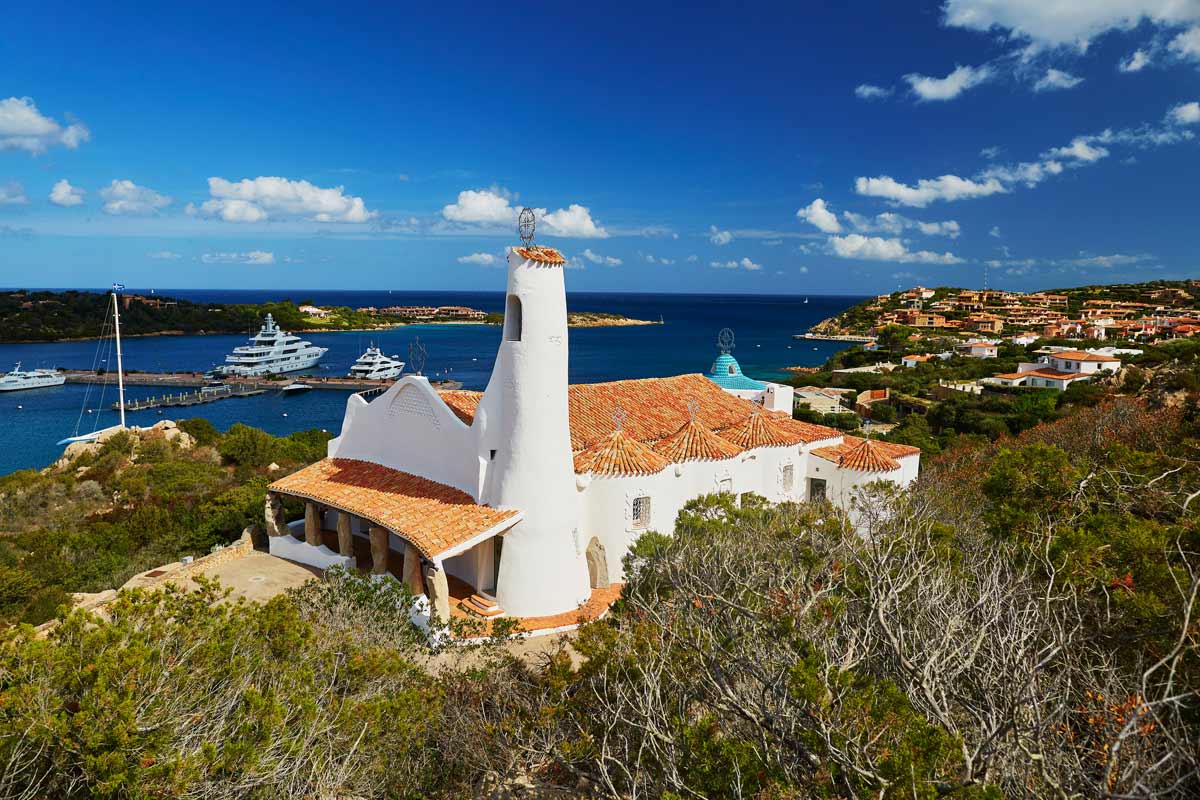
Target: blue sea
[32,421]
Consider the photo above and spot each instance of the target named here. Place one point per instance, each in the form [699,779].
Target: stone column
[412,570]
[379,550]
[312,524]
[438,591]
[273,513]
[345,535]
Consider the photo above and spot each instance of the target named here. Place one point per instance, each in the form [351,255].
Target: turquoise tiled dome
[727,373]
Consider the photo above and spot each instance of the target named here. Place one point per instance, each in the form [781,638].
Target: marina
[31,421]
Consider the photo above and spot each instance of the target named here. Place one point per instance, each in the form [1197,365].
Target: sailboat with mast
[97,432]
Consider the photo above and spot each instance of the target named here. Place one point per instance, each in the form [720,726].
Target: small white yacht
[374,365]
[33,379]
[271,351]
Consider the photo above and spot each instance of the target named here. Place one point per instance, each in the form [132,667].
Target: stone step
[481,606]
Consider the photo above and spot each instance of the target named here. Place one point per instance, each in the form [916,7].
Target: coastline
[605,323]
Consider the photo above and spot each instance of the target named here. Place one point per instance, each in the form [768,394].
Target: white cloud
[1185,114]
[23,127]
[743,263]
[64,194]
[574,221]
[874,248]
[990,152]
[820,217]
[692,259]
[1001,178]
[494,207]
[1114,260]
[1080,149]
[1187,44]
[249,257]
[263,198]
[927,190]
[927,88]
[1052,23]
[164,255]
[12,194]
[995,231]
[1137,61]
[482,259]
[1029,173]
[652,259]
[1056,79]
[484,206]
[719,237]
[895,224]
[867,91]
[126,197]
[596,258]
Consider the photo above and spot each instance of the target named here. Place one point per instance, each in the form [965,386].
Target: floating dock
[820,337]
[196,398]
[195,380]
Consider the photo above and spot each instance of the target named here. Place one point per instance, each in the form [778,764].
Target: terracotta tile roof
[862,455]
[890,449]
[463,403]
[619,454]
[546,255]
[432,516]
[807,431]
[1079,355]
[1043,372]
[655,407]
[761,430]
[695,442]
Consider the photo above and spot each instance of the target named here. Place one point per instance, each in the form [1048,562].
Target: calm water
[32,421]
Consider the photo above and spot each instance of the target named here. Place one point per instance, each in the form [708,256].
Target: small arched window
[512,319]
[732,369]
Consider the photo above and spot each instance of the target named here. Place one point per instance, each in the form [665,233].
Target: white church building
[522,500]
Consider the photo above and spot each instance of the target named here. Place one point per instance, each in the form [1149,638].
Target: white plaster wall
[409,428]
[606,504]
[523,416]
[474,566]
[778,397]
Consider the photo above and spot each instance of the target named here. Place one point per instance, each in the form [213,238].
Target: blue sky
[838,148]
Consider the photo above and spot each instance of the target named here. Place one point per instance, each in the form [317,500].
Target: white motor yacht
[374,365]
[271,351]
[31,379]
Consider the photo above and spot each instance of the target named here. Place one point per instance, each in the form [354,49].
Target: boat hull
[272,368]
[33,383]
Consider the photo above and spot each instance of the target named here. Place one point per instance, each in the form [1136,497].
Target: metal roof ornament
[417,356]
[526,223]
[618,417]
[693,407]
[725,340]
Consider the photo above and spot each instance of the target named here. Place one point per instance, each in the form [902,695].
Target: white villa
[521,500]
[1059,369]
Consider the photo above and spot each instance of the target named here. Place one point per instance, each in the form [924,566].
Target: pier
[201,396]
[846,337]
[196,380]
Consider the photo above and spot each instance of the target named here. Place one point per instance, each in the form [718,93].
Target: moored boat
[271,351]
[30,379]
[374,365]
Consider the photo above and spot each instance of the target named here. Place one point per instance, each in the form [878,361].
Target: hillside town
[1145,312]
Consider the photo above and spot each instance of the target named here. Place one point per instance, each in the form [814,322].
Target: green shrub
[246,446]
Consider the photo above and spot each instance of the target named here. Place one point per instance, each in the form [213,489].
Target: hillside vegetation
[1022,623]
[51,316]
[134,502]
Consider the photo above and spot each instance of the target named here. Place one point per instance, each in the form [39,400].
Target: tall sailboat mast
[120,367]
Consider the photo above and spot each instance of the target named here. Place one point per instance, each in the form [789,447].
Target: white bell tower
[525,440]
